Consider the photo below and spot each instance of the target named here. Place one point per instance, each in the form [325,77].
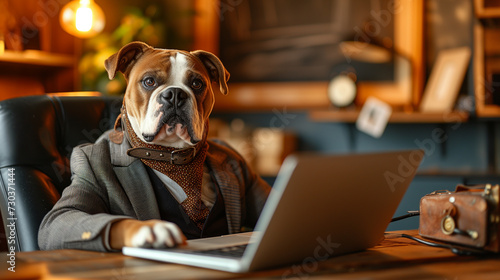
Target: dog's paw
[159,234]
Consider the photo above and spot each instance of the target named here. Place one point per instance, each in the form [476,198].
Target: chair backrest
[37,135]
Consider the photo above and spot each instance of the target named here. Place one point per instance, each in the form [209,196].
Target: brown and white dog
[168,100]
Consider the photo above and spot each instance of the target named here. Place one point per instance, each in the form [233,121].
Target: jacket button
[86,235]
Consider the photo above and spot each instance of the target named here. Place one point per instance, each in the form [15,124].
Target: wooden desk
[394,258]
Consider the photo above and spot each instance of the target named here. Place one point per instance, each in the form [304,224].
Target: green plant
[148,25]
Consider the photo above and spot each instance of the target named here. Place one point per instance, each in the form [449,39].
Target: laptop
[320,206]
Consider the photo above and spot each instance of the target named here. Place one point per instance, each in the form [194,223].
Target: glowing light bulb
[82,18]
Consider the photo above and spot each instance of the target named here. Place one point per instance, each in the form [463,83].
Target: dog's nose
[174,96]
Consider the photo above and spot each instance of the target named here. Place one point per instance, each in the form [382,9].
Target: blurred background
[301,73]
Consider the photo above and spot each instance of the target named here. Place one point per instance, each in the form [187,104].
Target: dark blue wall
[456,153]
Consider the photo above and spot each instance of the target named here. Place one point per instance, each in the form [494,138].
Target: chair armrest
[30,196]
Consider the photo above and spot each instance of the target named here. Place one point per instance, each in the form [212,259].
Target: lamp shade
[82,18]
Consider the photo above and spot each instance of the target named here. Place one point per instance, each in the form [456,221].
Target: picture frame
[405,91]
[374,117]
[445,80]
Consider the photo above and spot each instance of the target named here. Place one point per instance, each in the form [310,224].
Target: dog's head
[169,94]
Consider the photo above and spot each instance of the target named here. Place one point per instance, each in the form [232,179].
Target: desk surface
[394,258]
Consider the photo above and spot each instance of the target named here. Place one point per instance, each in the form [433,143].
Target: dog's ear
[124,58]
[216,70]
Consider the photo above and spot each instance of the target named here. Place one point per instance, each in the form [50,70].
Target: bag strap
[475,188]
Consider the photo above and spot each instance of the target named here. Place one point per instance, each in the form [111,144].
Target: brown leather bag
[469,216]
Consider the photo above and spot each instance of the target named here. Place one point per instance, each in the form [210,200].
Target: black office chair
[37,135]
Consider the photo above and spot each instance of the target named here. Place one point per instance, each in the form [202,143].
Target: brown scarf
[188,176]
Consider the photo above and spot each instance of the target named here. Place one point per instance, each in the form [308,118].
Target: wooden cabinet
[38,56]
[404,93]
[486,58]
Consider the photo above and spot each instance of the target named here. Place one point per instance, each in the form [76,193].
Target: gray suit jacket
[108,185]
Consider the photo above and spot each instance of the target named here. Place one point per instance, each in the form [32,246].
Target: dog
[163,126]
[173,105]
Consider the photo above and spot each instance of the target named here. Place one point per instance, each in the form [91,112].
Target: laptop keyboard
[232,251]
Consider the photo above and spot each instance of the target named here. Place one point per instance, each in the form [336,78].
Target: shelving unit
[487,8]
[289,96]
[350,116]
[47,64]
[486,52]
[273,95]
[36,58]
[34,72]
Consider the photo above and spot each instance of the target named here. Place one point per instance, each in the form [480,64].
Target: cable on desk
[461,251]
[410,214]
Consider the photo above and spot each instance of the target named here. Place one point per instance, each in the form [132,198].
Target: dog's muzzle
[175,111]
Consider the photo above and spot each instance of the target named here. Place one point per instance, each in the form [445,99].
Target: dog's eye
[197,84]
[149,82]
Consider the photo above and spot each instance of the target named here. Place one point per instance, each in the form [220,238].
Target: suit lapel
[135,181]
[231,193]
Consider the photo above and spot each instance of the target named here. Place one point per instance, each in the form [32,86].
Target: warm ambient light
[82,18]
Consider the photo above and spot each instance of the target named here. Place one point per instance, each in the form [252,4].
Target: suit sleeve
[80,219]
[253,189]
[256,193]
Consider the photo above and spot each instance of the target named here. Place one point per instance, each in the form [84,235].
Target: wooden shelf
[485,47]
[458,173]
[273,95]
[350,116]
[37,58]
[43,63]
[484,11]
[34,72]
[310,96]
[489,112]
